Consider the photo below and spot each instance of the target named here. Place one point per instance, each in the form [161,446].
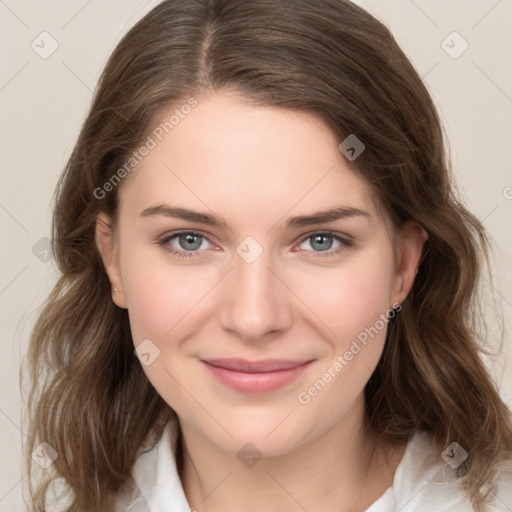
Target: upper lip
[264,366]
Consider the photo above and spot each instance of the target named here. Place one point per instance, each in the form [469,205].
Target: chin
[273,433]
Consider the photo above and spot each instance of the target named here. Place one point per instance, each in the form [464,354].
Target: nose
[255,304]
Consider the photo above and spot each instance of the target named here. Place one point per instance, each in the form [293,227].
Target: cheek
[352,302]
[163,302]
[353,296]
[160,296]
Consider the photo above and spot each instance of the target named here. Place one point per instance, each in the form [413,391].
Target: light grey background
[43,102]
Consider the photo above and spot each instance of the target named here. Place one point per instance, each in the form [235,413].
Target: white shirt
[420,484]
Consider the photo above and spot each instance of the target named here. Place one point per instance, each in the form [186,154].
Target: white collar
[155,471]
[420,482]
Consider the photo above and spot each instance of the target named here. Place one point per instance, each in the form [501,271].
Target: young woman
[267,292]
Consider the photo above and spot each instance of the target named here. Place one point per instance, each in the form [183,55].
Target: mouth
[255,376]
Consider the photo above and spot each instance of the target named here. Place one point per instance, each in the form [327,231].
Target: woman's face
[257,274]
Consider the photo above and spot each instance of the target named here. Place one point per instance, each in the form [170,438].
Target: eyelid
[171,234]
[334,234]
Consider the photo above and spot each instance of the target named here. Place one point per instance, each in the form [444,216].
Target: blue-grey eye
[189,241]
[322,242]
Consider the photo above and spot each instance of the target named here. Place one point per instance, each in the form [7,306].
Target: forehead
[230,156]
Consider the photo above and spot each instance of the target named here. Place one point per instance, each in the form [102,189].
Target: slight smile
[255,376]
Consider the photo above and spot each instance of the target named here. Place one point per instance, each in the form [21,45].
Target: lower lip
[255,382]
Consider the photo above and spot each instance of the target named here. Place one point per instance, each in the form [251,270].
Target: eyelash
[346,242]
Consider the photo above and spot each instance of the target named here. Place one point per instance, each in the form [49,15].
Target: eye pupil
[190,238]
[321,242]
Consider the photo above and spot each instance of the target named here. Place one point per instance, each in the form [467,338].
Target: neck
[344,469]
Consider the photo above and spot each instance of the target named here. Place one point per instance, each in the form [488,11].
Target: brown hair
[90,399]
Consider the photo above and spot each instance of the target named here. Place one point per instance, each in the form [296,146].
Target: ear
[107,247]
[410,240]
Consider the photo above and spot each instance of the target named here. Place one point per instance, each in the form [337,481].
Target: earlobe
[106,244]
[411,241]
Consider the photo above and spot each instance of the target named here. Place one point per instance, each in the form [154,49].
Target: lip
[255,376]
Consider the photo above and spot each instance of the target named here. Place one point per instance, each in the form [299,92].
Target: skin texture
[255,167]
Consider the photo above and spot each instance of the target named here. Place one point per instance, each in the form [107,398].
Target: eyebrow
[330,215]
[184,214]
